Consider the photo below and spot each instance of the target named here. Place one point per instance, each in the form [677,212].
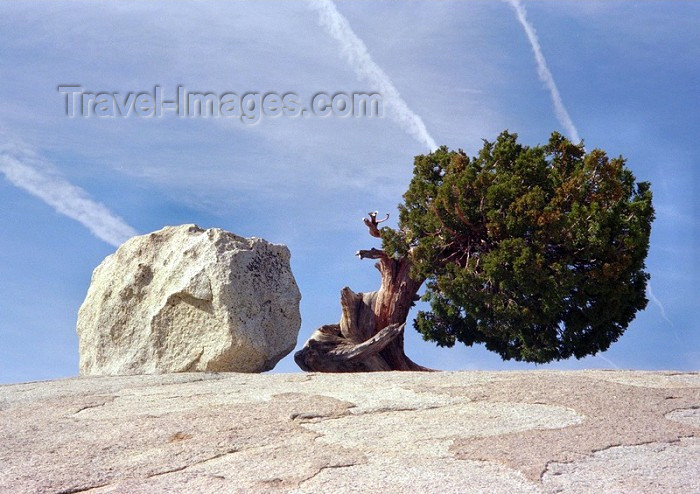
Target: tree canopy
[536,252]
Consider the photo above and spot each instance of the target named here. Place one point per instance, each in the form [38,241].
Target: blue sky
[627,74]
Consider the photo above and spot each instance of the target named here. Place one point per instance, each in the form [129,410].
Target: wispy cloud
[26,170]
[355,53]
[544,73]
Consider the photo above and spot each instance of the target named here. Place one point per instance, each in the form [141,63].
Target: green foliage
[537,252]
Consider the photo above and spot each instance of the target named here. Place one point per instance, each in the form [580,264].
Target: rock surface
[187,299]
[447,432]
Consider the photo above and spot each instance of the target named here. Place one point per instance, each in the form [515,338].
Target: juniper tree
[536,252]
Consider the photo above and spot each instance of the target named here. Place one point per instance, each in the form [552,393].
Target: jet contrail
[606,359]
[658,303]
[24,169]
[356,54]
[544,73]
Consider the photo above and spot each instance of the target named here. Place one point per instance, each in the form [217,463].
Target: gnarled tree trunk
[370,334]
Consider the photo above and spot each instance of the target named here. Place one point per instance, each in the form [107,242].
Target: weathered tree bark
[370,334]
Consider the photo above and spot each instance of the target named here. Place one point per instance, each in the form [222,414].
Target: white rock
[187,299]
[537,432]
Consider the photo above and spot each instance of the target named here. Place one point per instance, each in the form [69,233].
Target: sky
[622,76]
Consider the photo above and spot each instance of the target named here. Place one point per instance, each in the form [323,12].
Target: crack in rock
[108,399]
[316,418]
[197,463]
[660,465]
[327,467]
[76,490]
[616,414]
